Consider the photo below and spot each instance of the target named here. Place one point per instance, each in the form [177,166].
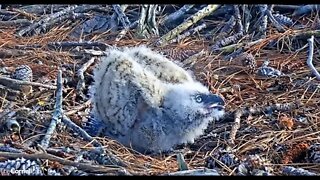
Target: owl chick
[147,108]
[162,68]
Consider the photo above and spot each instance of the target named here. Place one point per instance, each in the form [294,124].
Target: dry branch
[256,111]
[121,16]
[310,58]
[82,166]
[189,22]
[81,83]
[43,23]
[74,127]
[113,24]
[188,33]
[85,44]
[147,25]
[176,15]
[32,27]
[292,171]
[195,172]
[12,83]
[18,22]
[57,113]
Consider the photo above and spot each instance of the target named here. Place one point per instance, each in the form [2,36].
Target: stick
[74,127]
[32,27]
[113,24]
[57,113]
[195,172]
[235,126]
[255,111]
[147,25]
[9,149]
[121,16]
[7,53]
[124,31]
[238,19]
[177,14]
[73,16]
[310,57]
[292,171]
[263,20]
[44,22]
[82,166]
[11,83]
[18,22]
[110,158]
[181,162]
[81,83]
[189,22]
[276,24]
[226,41]
[188,33]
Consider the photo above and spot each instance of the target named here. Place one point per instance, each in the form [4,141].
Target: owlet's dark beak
[214,101]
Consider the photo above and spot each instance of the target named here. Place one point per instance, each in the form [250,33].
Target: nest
[279,138]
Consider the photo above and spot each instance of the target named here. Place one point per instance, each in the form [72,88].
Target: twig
[238,19]
[80,73]
[310,58]
[85,44]
[121,16]
[227,28]
[176,15]
[57,113]
[189,22]
[32,27]
[82,166]
[99,151]
[119,10]
[284,6]
[247,18]
[181,162]
[24,13]
[63,44]
[263,20]
[9,149]
[44,22]
[190,61]
[72,15]
[235,126]
[7,53]
[74,127]
[147,25]
[276,24]
[113,24]
[264,110]
[95,53]
[188,33]
[292,171]
[232,47]
[41,9]
[236,115]
[124,31]
[12,83]
[226,41]
[195,172]
[20,22]
[306,9]
[78,108]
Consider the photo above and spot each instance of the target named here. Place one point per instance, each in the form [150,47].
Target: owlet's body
[149,103]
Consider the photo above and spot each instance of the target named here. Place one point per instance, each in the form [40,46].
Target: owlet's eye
[198,98]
